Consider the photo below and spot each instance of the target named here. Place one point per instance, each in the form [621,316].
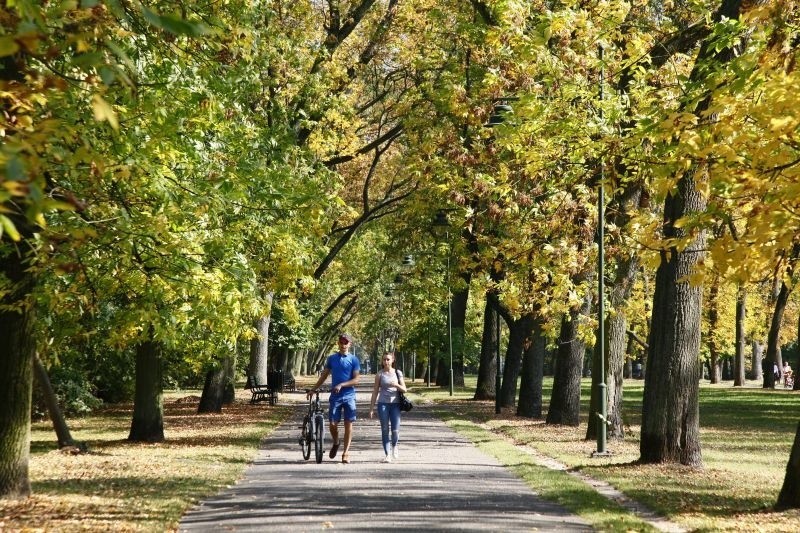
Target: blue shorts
[339,406]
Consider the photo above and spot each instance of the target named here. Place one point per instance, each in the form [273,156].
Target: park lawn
[123,486]
[746,437]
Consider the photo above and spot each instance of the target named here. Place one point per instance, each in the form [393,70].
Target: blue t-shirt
[342,367]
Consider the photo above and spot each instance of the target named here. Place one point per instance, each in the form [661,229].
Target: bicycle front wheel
[305,438]
[319,437]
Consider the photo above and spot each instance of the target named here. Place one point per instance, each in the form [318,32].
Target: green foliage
[75,393]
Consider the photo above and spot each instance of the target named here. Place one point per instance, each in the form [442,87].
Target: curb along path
[440,483]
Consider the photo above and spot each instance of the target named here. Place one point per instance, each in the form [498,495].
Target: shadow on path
[440,483]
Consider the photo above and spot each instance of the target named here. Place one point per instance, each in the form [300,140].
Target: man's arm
[322,377]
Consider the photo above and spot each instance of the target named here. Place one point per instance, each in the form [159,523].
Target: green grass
[746,436]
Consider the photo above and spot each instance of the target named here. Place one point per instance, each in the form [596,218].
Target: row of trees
[182,183]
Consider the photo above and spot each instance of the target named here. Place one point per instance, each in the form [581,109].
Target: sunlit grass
[746,437]
[123,486]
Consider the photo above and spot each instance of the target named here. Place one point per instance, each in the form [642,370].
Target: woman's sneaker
[387,459]
[395,453]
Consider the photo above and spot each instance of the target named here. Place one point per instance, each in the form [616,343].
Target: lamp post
[601,351]
[502,107]
[441,223]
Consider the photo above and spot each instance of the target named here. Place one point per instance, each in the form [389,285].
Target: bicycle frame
[313,429]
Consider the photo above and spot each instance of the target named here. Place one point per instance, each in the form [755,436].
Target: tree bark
[519,331]
[215,389]
[63,435]
[530,390]
[565,400]
[487,368]
[715,369]
[739,358]
[670,411]
[459,312]
[17,347]
[758,351]
[259,346]
[773,338]
[148,408]
[789,497]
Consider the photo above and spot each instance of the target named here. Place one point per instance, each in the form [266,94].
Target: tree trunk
[259,346]
[773,338]
[715,370]
[741,314]
[616,348]
[789,497]
[215,390]
[487,368]
[670,413]
[148,407]
[758,350]
[60,426]
[518,333]
[530,391]
[17,347]
[565,400]
[459,312]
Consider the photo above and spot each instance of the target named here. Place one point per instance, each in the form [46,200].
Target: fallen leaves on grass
[124,486]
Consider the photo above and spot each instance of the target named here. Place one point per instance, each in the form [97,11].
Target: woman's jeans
[389,413]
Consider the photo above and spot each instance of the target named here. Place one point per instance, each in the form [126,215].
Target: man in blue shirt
[344,369]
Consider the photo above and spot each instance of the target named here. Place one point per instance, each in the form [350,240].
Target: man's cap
[345,338]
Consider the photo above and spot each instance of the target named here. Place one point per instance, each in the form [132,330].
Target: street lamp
[502,107]
[601,351]
[441,223]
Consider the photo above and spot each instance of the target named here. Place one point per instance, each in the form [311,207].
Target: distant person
[787,372]
[637,370]
[344,369]
[388,383]
[776,371]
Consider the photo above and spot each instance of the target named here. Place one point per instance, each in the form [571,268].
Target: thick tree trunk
[565,400]
[739,358]
[60,426]
[670,411]
[530,390]
[148,407]
[259,347]
[17,349]
[789,497]
[213,391]
[487,368]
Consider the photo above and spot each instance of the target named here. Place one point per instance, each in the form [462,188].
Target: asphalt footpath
[441,482]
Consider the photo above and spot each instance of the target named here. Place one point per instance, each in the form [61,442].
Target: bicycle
[313,429]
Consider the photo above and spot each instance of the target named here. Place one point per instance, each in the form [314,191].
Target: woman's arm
[375,389]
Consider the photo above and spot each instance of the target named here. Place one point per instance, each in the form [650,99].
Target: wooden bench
[260,393]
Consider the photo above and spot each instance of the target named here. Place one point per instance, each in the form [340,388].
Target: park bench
[260,393]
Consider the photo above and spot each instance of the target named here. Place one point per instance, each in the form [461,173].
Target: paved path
[440,483]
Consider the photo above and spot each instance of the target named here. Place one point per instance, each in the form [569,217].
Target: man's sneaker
[387,459]
[395,453]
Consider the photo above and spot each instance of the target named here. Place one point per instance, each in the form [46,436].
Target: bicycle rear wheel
[319,437]
[305,438]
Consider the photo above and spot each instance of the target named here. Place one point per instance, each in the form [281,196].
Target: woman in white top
[388,383]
